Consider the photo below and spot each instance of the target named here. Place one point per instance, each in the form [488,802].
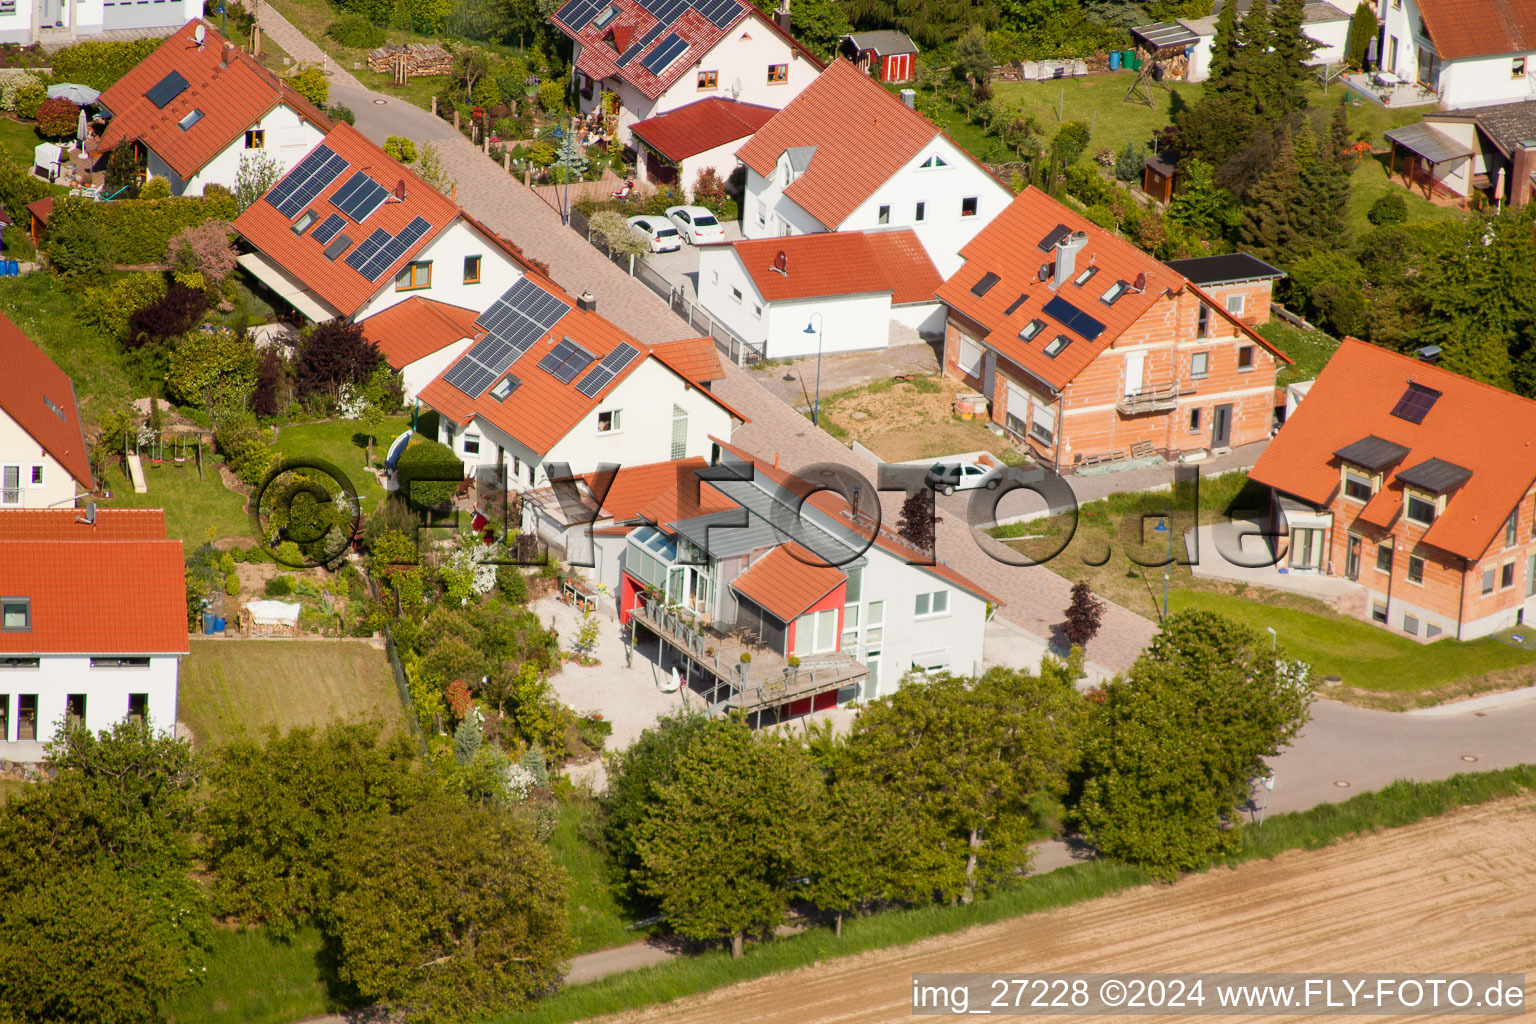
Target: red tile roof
[117,587]
[836,507]
[787,580]
[1477,28]
[417,327]
[40,397]
[1474,425]
[269,231]
[841,263]
[696,359]
[233,91]
[862,135]
[635,487]
[1008,249]
[601,47]
[701,126]
[542,410]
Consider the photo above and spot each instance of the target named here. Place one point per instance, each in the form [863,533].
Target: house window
[968,206]
[610,422]
[1194,421]
[186,123]
[1384,558]
[936,603]
[256,138]
[10,485]
[138,708]
[1506,575]
[119,663]
[1042,423]
[415,276]
[850,625]
[471,269]
[471,444]
[1420,510]
[709,79]
[1415,569]
[778,73]
[1085,276]
[1029,330]
[1379,613]
[762,213]
[74,710]
[1203,322]
[1511,525]
[37,476]
[1517,68]
[1235,304]
[920,212]
[1530,577]
[1410,625]
[15,614]
[1245,357]
[929,662]
[1200,364]
[1356,486]
[1113,292]
[1055,346]
[884,217]
[35,662]
[933,162]
[736,295]
[305,222]
[970,357]
[757,311]
[26,716]
[874,623]
[505,387]
[679,432]
[816,632]
[1488,580]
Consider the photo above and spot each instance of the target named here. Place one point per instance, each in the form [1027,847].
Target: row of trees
[430,900]
[937,791]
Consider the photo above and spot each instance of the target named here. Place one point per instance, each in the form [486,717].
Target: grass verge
[597,919]
[232,687]
[1399,804]
[256,979]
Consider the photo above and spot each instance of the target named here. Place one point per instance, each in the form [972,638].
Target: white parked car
[696,224]
[951,476]
[659,232]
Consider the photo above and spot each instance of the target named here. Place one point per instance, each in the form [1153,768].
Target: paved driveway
[681,268]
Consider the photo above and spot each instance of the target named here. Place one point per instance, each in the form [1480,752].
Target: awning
[1166,35]
[1432,145]
[287,288]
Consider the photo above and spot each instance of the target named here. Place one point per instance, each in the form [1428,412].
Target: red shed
[889,56]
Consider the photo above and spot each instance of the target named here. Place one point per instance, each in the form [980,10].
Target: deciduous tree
[335,353]
[1083,615]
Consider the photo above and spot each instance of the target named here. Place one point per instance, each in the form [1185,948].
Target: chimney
[228,54]
[1066,257]
[909,97]
[781,17]
[1429,354]
[1523,163]
[587,302]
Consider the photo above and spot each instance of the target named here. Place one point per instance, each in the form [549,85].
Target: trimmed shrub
[356,31]
[280,586]
[512,583]
[245,448]
[155,188]
[429,473]
[109,308]
[11,82]
[99,64]
[401,148]
[28,98]
[57,119]
[214,369]
[140,230]
[78,247]
[1389,209]
[310,82]
[341,112]
[552,96]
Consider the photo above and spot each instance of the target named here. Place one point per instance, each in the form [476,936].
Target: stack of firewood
[421,59]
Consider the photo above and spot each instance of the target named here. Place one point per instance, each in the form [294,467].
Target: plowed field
[1457,893]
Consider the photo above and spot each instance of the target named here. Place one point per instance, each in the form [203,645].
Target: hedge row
[140,230]
[99,64]
[18,187]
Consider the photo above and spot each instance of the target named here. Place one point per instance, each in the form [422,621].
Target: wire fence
[731,345]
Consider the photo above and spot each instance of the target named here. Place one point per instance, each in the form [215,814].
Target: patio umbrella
[80,95]
[80,129]
[672,685]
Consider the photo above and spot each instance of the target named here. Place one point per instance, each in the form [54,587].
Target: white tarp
[274,613]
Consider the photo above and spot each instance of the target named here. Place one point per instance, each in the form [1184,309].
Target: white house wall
[1332,38]
[425,370]
[19,448]
[93,16]
[958,634]
[106,692]
[446,253]
[926,318]
[289,138]
[766,213]
[721,270]
[1478,82]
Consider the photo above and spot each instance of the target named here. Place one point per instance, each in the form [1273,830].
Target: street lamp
[1271,631]
[816,330]
[565,203]
[1164,526]
[1269,784]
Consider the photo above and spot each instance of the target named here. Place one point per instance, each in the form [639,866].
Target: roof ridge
[1461,378]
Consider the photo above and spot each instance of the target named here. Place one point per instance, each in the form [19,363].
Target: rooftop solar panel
[611,366]
[1073,319]
[394,248]
[359,197]
[167,89]
[1059,232]
[566,360]
[577,13]
[1415,404]
[720,12]
[513,323]
[307,180]
[668,50]
[327,229]
[365,252]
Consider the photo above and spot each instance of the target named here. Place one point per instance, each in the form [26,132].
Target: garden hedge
[99,63]
[141,229]
[429,473]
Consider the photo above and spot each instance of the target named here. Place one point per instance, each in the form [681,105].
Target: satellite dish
[1045,271]
[735,87]
[89,519]
[1141,282]
[200,34]
[781,264]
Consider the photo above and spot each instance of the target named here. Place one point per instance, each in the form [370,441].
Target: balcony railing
[1161,398]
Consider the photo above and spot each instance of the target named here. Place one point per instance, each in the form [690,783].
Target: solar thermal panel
[668,50]
[613,363]
[167,89]
[328,228]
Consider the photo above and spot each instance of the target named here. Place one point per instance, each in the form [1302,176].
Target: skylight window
[603,19]
[1112,295]
[305,222]
[1085,276]
[1415,403]
[191,119]
[1058,345]
[505,387]
[1031,329]
[983,286]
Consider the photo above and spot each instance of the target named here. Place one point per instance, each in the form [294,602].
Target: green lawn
[1309,349]
[232,687]
[1362,654]
[597,920]
[39,305]
[253,978]
[1098,101]
[18,140]
[343,443]
[196,509]
[1372,180]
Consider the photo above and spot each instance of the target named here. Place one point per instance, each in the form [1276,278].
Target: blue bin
[218,624]
[208,619]
[1114,60]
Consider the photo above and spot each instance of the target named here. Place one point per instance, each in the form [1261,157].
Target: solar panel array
[306,181]
[666,12]
[1415,404]
[328,228]
[359,197]
[612,365]
[577,13]
[565,361]
[381,250]
[1073,319]
[523,315]
[167,89]
[668,50]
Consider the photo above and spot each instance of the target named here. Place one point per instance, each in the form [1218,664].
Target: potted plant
[794,667]
[742,669]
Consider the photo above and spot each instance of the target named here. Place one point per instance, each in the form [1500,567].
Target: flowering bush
[518,782]
[57,119]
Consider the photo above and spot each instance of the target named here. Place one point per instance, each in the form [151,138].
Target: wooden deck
[767,681]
